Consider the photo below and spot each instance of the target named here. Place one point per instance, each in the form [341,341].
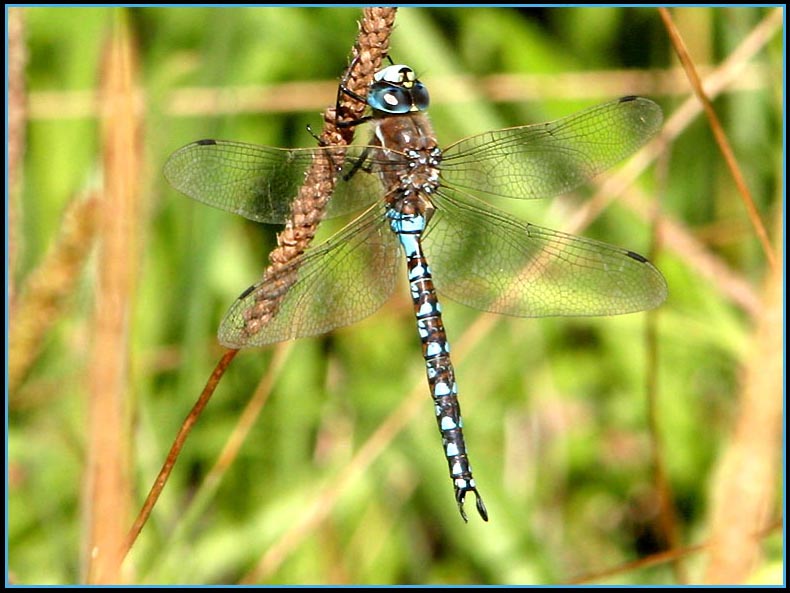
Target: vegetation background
[608,450]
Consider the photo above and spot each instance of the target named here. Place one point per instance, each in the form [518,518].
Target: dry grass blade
[746,485]
[175,449]
[663,557]
[667,516]
[652,560]
[44,295]
[119,225]
[17,117]
[306,96]
[309,206]
[718,132]
[679,238]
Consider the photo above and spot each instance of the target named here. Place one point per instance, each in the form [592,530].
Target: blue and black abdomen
[436,351]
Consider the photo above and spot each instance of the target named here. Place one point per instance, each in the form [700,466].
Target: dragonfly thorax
[422,175]
[408,157]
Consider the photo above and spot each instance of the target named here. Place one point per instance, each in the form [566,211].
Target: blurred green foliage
[555,409]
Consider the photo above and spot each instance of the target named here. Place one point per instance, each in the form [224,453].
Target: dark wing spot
[636,256]
[246,292]
[207,142]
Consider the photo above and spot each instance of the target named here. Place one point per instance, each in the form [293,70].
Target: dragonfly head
[395,90]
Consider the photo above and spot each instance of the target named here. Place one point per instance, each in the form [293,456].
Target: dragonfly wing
[548,159]
[483,258]
[336,283]
[261,182]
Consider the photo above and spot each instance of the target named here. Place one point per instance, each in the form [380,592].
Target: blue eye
[396,99]
[389,98]
[420,96]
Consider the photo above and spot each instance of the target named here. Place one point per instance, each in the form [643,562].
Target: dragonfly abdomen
[436,351]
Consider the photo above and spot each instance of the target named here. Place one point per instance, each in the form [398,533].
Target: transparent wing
[261,182]
[543,160]
[336,283]
[483,258]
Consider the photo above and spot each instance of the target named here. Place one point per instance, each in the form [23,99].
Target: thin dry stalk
[17,117]
[309,206]
[667,522]
[247,419]
[680,239]
[661,558]
[630,567]
[743,498]
[292,97]
[119,212]
[175,449]
[722,78]
[307,210]
[44,295]
[718,133]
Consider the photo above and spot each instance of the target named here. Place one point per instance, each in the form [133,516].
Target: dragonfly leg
[353,123]
[342,89]
[315,136]
[359,164]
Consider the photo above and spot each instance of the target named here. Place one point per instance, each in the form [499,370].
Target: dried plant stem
[17,117]
[718,133]
[175,449]
[209,485]
[661,558]
[722,78]
[45,292]
[308,207]
[750,470]
[307,210]
[47,288]
[305,96]
[119,212]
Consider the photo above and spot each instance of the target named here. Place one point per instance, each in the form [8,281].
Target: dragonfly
[432,205]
